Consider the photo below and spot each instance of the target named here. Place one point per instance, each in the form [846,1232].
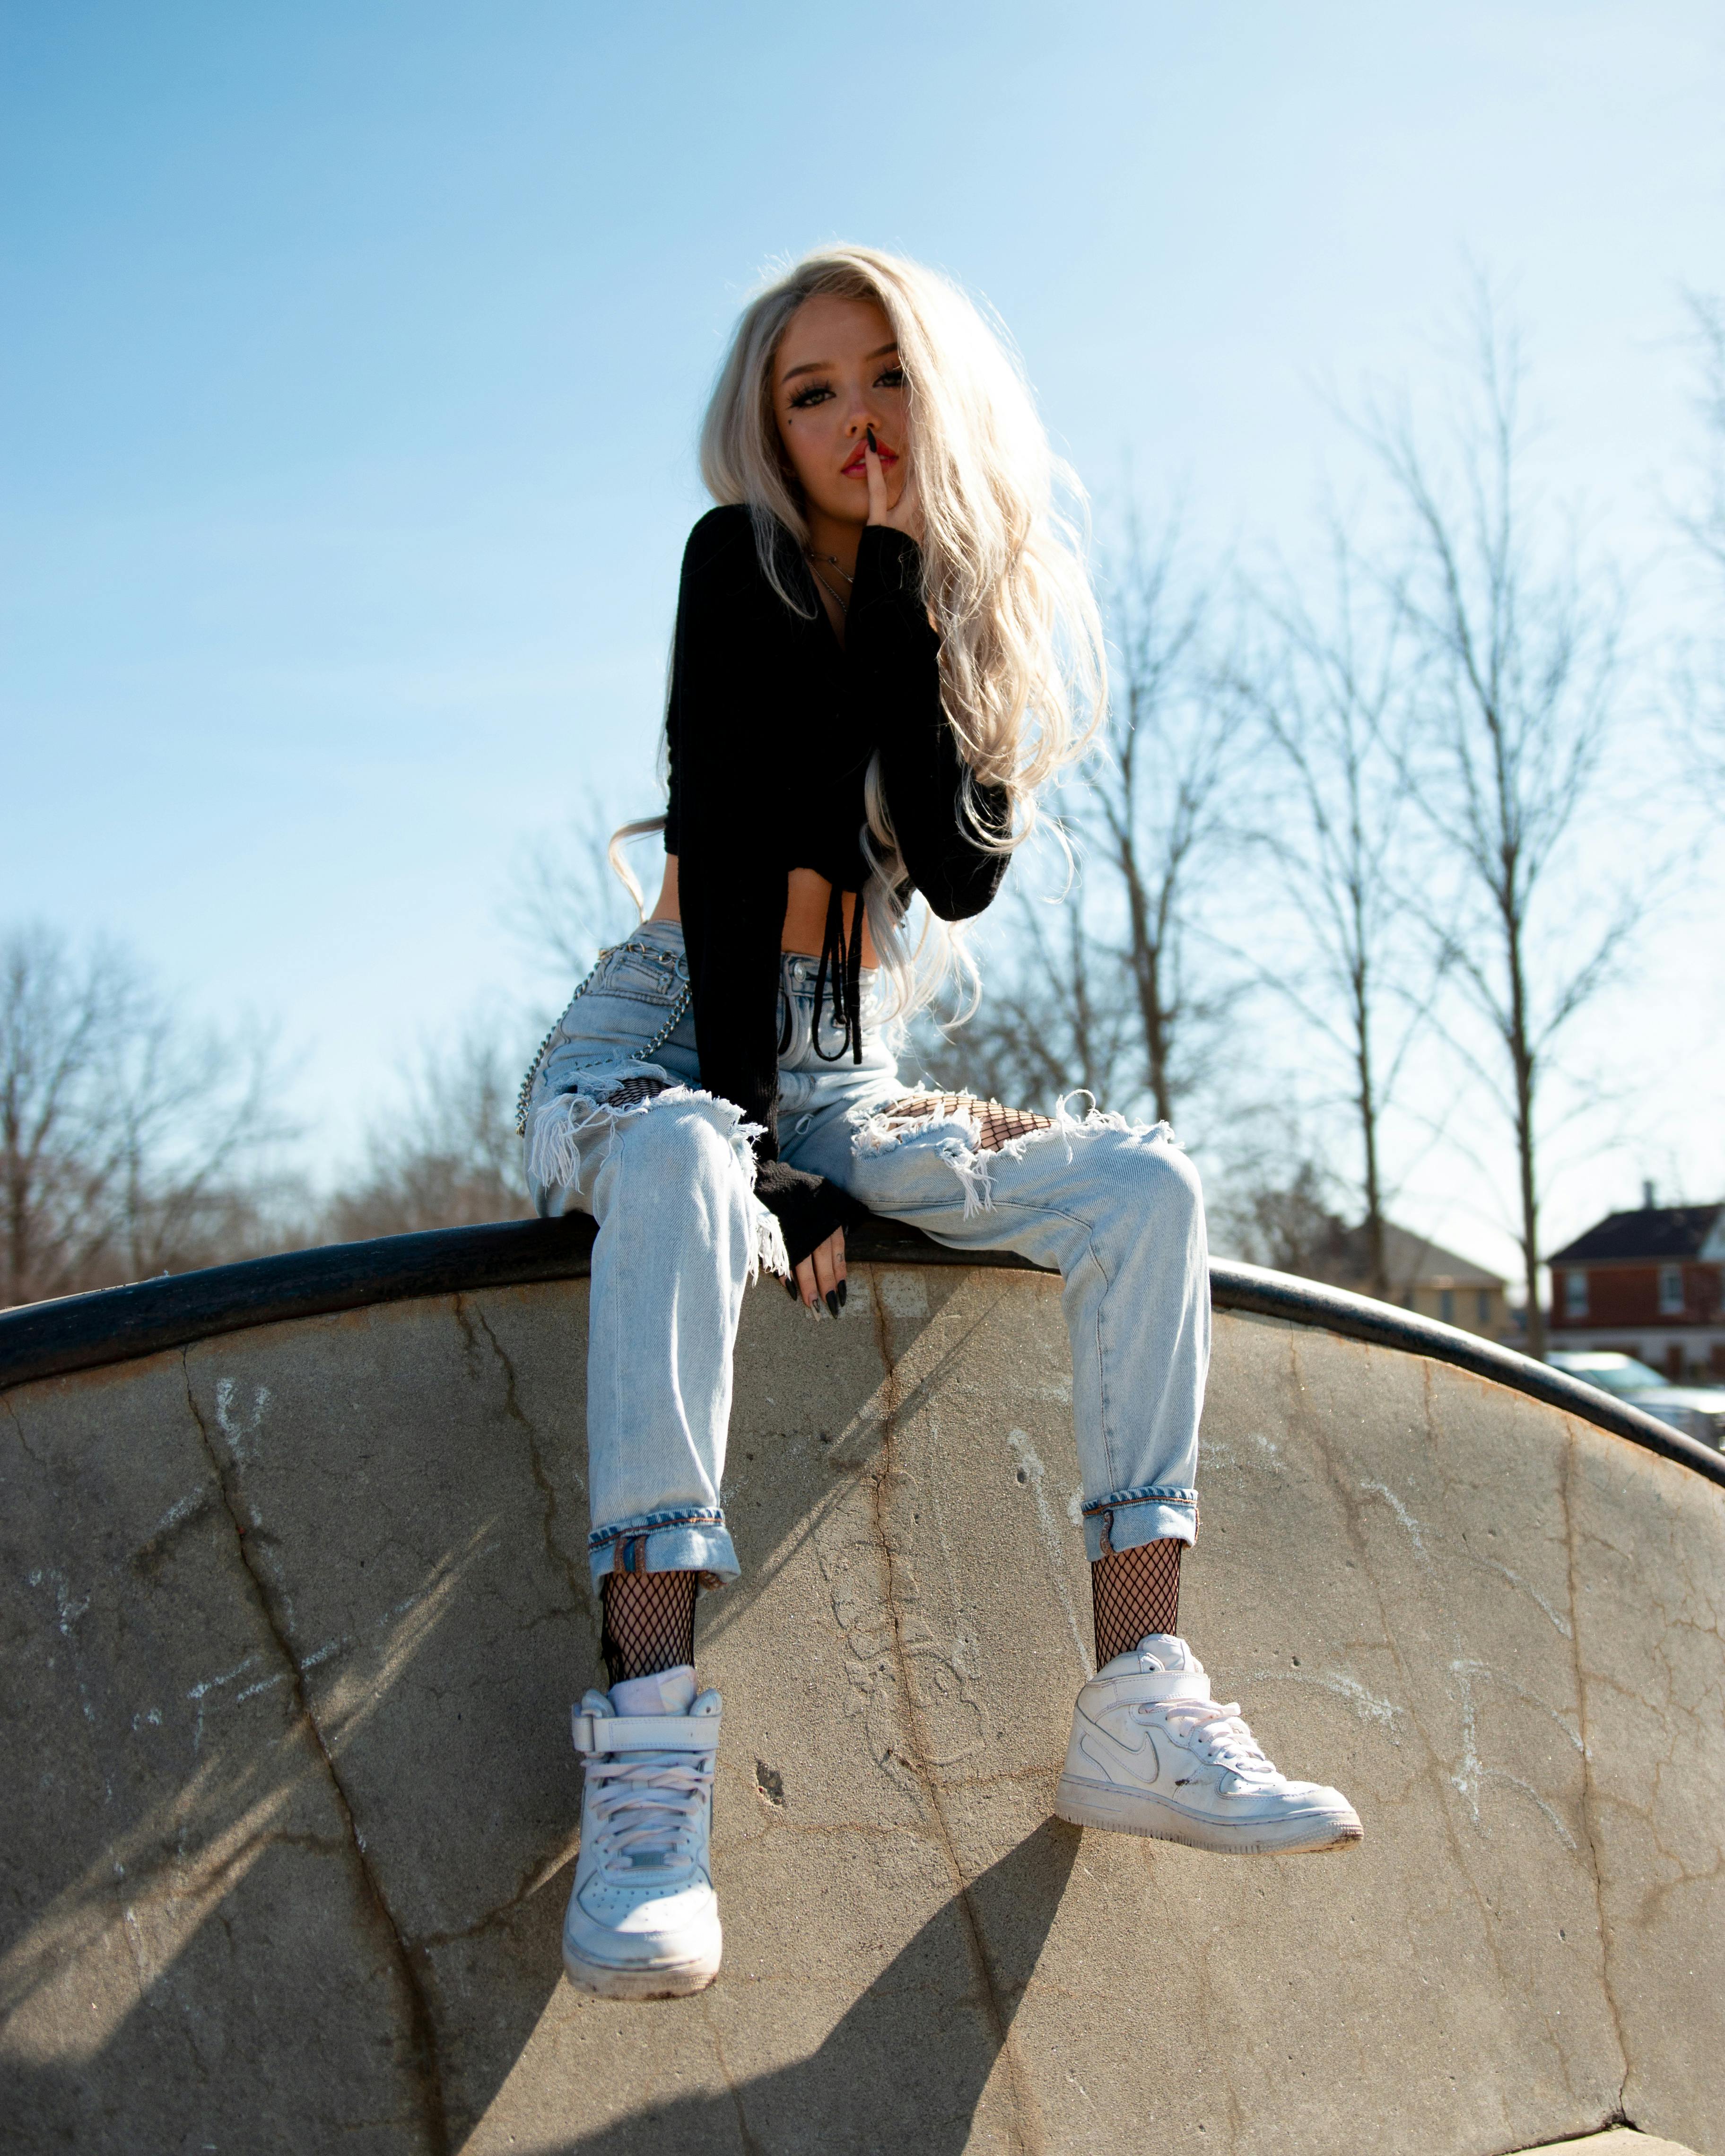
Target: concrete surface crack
[11,1416]
[1025,2129]
[576,1573]
[1565,1474]
[536,1875]
[421,2027]
[745,2135]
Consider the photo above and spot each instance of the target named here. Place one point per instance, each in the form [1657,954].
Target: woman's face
[836,373]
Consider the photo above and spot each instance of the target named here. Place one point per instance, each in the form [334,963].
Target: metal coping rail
[119,1324]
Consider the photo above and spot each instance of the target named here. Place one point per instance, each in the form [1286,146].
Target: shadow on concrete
[907,2067]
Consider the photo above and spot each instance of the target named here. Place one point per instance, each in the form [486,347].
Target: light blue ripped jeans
[665,1170]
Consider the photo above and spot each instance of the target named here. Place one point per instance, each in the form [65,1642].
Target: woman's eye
[817,393]
[891,378]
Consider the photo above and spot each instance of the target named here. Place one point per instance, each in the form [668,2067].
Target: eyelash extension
[817,393]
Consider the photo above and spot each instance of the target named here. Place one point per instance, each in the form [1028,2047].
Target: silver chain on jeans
[639,1056]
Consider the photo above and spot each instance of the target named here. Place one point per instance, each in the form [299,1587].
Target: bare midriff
[805,911]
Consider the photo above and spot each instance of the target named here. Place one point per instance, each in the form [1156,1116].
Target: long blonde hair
[1023,673]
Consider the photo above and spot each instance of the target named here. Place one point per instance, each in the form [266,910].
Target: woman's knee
[689,1144]
[1156,1180]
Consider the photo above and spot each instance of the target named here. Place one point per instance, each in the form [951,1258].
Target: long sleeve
[731,884]
[893,655]
[731,694]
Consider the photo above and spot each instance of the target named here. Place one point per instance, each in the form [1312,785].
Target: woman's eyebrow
[820,366]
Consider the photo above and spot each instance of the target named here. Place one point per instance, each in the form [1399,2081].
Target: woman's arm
[894,655]
[731,895]
[728,681]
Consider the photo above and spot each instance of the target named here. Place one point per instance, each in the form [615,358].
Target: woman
[885,644]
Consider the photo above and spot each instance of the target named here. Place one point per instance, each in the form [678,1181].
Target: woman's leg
[668,1188]
[1118,1211]
[666,1180]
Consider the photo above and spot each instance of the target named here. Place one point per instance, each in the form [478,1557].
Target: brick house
[1648,1284]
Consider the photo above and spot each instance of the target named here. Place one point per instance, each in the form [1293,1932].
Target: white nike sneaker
[642,1922]
[1152,1754]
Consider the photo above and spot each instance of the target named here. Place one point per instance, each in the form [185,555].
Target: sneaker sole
[677,1981]
[1117,1811]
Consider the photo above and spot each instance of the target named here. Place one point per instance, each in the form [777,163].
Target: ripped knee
[996,1125]
[966,1130]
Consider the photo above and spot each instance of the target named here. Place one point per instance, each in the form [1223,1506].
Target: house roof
[1650,1232]
[1409,1260]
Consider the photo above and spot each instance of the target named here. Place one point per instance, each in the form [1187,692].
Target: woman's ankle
[648,1622]
[1133,1594]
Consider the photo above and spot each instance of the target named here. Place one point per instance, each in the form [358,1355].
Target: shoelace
[1220,1733]
[647,1804]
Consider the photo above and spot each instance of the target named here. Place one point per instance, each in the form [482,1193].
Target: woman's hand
[905,514]
[820,1277]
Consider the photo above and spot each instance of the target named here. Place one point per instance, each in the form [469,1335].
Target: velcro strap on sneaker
[1163,1684]
[644,1733]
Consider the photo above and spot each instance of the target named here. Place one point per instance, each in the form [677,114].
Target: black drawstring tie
[845,963]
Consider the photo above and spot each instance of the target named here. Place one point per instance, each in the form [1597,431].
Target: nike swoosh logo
[1138,1763]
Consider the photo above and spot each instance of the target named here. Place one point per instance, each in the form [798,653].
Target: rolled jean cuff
[683,1538]
[1130,1519]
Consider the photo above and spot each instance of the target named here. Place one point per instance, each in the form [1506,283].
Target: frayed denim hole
[554,1152]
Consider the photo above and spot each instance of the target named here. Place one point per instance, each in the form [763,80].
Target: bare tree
[1517,705]
[447,1156]
[1160,798]
[1054,1022]
[1333,693]
[1113,1000]
[569,900]
[193,1110]
[1703,522]
[130,1140]
[1274,1214]
[53,1017]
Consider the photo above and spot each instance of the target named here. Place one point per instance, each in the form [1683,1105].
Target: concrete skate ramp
[296,1600]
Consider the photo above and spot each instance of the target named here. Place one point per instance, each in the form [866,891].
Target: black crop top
[770,728]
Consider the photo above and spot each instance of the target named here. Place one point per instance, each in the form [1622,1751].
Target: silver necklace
[840,599]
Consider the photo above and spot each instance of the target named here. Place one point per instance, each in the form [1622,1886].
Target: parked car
[1697,1410]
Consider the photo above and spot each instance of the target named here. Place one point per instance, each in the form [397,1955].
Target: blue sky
[354,353]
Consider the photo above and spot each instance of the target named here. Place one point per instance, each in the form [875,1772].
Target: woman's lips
[858,467]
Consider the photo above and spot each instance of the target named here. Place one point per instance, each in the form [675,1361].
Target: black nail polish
[843,1294]
[790,1289]
[872,444]
[833,1300]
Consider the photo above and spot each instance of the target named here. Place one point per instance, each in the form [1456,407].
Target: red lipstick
[856,467]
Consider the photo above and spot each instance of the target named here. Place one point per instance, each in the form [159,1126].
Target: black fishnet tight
[649,1622]
[632,1093]
[997,1126]
[1134,1592]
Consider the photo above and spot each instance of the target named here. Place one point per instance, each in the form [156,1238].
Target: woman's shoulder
[723,540]
[723,578]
